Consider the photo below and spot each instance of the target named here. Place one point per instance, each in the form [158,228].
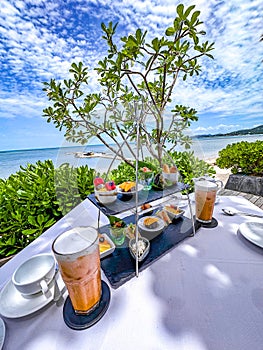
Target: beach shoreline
[221,174]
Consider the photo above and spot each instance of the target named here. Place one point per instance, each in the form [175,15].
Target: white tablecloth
[206,294]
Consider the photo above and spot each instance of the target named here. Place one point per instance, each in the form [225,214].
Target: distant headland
[254,131]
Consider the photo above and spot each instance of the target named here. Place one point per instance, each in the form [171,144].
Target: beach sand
[221,174]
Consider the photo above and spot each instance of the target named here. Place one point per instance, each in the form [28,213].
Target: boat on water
[92,155]
[84,154]
[96,155]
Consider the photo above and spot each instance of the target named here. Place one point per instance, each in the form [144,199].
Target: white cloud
[41,41]
[26,105]
[217,128]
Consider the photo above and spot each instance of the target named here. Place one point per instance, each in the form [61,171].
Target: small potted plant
[117,231]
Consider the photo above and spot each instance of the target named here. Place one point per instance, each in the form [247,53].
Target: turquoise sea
[10,161]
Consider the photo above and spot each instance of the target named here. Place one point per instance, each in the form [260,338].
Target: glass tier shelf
[119,267]
[127,201]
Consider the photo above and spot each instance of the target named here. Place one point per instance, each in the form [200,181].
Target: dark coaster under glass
[79,322]
[211,224]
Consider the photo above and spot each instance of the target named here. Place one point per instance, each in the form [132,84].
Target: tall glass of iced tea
[78,257]
[205,197]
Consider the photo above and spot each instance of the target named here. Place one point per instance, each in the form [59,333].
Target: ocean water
[10,161]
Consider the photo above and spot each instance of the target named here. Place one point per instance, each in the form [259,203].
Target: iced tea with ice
[205,197]
[78,257]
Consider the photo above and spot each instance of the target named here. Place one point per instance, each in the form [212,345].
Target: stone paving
[257,200]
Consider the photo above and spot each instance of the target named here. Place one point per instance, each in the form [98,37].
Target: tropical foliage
[242,157]
[35,197]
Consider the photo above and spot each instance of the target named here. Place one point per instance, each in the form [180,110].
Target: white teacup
[35,274]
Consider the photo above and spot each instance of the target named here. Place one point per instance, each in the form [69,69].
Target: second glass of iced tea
[205,197]
[78,257]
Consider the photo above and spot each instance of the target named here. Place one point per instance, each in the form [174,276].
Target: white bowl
[34,274]
[150,233]
[132,242]
[106,197]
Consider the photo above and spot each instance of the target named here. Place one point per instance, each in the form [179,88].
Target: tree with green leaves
[138,79]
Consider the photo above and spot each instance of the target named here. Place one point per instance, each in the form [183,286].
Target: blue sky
[39,39]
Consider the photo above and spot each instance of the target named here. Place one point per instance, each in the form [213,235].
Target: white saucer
[253,232]
[2,333]
[14,305]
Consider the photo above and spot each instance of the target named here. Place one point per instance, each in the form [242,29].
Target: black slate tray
[125,202]
[119,267]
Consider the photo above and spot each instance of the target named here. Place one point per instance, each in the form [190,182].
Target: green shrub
[27,206]
[36,197]
[72,185]
[124,172]
[242,157]
[188,165]
[191,167]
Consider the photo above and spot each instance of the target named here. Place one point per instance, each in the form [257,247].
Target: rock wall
[244,183]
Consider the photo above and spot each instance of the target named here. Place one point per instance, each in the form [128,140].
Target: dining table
[204,294]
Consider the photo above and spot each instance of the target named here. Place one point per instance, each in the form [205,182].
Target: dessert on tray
[141,249]
[173,211]
[164,216]
[106,246]
[130,231]
[150,226]
[102,186]
[105,192]
[170,175]
[145,206]
[151,222]
[103,244]
[127,186]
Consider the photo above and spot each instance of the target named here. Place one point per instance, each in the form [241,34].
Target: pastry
[130,231]
[145,206]
[173,169]
[166,169]
[163,215]
[172,210]
[150,222]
